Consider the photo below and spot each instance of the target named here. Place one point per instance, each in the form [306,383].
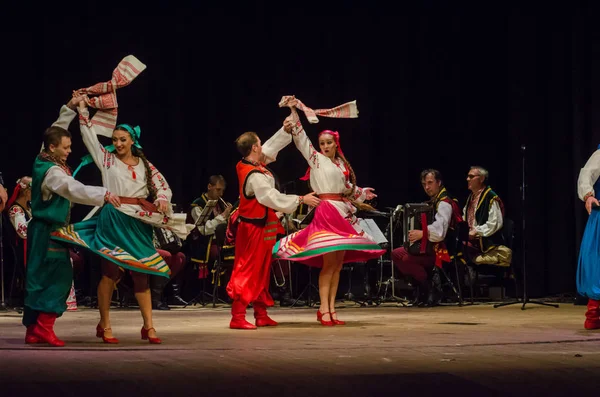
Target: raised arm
[66,115]
[302,142]
[275,144]
[101,156]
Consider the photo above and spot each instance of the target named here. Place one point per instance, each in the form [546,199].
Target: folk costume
[447,216]
[334,226]
[122,235]
[256,232]
[49,274]
[588,267]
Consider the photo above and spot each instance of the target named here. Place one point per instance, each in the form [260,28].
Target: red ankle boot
[592,316]
[238,317]
[261,316]
[44,329]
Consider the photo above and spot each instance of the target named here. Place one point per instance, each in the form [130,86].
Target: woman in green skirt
[122,234]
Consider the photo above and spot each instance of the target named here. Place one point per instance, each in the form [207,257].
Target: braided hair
[349,193]
[149,184]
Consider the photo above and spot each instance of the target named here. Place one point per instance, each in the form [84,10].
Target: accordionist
[447,214]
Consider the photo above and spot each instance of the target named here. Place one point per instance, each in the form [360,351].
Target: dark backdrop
[437,85]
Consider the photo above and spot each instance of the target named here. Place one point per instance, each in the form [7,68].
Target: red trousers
[413,265]
[252,265]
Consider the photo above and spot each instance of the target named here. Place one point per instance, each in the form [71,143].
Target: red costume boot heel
[592,316]
[30,337]
[100,334]
[325,322]
[238,317]
[261,316]
[336,321]
[154,341]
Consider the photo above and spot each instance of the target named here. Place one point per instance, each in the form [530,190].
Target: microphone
[523,148]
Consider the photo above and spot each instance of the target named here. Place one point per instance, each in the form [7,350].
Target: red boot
[260,314]
[238,316]
[44,329]
[30,337]
[592,316]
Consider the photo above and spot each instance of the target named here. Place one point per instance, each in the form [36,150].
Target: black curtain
[438,85]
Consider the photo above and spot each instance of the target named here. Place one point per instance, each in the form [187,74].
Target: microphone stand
[525,299]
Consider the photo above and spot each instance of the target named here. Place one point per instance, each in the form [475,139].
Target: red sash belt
[332,196]
[145,204]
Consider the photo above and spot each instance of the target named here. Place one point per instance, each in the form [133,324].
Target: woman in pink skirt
[334,236]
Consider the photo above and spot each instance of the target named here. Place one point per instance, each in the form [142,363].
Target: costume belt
[145,204]
[332,196]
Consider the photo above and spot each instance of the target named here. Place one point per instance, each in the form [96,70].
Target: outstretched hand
[369,195]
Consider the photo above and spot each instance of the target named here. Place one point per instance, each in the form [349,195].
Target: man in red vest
[258,225]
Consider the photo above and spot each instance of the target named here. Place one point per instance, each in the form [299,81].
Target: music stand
[203,217]
[392,279]
[525,299]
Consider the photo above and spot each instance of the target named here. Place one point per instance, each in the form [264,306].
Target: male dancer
[49,273]
[257,229]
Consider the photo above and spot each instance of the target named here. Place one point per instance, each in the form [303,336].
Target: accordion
[167,240]
[416,217]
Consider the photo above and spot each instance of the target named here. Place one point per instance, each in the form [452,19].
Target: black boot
[157,285]
[434,295]
[285,298]
[176,297]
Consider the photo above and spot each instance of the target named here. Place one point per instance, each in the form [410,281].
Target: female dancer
[334,236]
[122,234]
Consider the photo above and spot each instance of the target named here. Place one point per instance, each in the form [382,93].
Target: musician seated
[421,268]
[484,213]
[200,241]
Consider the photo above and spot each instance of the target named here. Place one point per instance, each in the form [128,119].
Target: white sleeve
[275,144]
[163,190]
[494,222]
[258,184]
[588,175]
[305,146]
[438,229]
[17,219]
[65,117]
[58,182]
[90,139]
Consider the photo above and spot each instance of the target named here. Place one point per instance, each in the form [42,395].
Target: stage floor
[383,351]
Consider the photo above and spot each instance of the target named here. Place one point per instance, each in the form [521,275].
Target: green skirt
[118,238]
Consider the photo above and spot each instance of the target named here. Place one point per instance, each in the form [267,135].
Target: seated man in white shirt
[447,215]
[484,212]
